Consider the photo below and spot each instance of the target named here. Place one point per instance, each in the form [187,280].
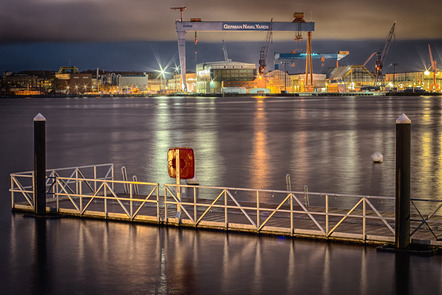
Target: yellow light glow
[427,72]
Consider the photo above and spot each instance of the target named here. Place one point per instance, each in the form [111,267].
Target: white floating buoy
[377,157]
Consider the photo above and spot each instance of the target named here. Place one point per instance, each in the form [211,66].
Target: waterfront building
[408,81]
[133,83]
[277,81]
[155,85]
[69,80]
[211,77]
[297,83]
[348,78]
[174,84]
[28,83]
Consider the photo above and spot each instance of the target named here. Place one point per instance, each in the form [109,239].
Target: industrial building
[133,83]
[425,80]
[28,83]
[174,84]
[348,78]
[277,81]
[297,82]
[212,77]
[69,80]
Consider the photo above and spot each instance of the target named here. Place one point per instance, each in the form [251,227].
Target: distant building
[133,83]
[411,80]
[69,80]
[297,82]
[174,84]
[348,78]
[28,83]
[211,77]
[277,81]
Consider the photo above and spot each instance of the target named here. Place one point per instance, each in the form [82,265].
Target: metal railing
[366,218]
[83,199]
[22,183]
[93,191]
[286,212]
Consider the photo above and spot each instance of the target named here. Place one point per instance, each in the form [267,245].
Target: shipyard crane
[368,59]
[382,53]
[434,86]
[181,9]
[265,50]
[226,56]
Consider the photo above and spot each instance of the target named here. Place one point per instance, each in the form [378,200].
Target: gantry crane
[182,27]
[181,9]
[265,51]
[434,86]
[382,54]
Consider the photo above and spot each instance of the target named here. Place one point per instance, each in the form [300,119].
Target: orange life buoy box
[187,162]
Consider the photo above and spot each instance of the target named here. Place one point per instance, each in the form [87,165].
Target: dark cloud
[117,20]
[123,35]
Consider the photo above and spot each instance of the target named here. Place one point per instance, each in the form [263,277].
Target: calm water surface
[325,143]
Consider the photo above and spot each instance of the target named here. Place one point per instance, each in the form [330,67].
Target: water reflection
[42,282]
[260,163]
[140,259]
[402,271]
[324,143]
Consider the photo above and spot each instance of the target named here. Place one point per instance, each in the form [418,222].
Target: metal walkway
[93,192]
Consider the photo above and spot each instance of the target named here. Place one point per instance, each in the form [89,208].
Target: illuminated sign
[246,26]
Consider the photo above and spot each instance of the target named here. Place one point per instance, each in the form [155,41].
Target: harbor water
[325,143]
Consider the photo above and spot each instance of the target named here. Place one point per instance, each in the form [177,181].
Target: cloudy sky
[30,23]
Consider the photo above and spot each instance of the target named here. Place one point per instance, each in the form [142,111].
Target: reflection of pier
[93,192]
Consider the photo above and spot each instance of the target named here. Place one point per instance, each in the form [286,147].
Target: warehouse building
[212,77]
[133,83]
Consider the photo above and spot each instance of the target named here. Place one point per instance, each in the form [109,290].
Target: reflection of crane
[265,50]
[434,86]
[381,55]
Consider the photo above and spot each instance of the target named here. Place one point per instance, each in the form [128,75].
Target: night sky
[139,34]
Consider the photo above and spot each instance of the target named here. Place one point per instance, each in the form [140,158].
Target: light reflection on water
[325,143]
[96,257]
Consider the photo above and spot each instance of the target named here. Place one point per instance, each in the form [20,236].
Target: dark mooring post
[403,143]
[40,165]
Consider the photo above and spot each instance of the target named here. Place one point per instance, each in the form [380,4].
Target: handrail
[293,212]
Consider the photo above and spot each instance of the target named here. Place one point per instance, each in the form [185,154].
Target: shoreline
[305,94]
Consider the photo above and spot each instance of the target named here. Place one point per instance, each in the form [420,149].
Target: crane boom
[226,56]
[265,51]
[368,59]
[433,62]
[382,54]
